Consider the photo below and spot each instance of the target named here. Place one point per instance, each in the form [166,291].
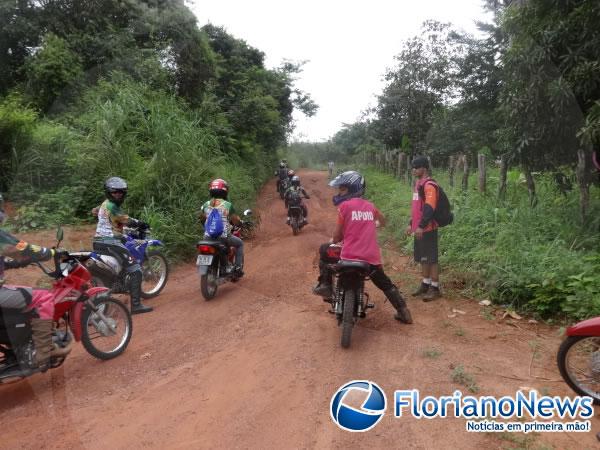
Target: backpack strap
[421,190]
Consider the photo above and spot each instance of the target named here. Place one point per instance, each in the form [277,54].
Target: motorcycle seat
[345,265]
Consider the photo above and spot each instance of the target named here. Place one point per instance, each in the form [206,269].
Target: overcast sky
[348,45]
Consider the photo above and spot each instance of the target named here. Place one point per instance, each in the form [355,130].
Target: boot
[135,290]
[41,333]
[402,312]
[324,288]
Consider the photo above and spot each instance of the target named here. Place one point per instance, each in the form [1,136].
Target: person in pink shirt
[356,229]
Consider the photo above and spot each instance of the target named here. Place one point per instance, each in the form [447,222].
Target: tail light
[334,251]
[206,249]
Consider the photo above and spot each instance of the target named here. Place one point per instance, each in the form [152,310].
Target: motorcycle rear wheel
[295,227]
[576,358]
[109,343]
[208,283]
[348,317]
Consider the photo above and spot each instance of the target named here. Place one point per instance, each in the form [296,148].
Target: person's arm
[430,205]
[380,217]
[305,194]
[21,252]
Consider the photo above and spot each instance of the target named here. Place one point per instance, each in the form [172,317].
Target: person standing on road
[425,229]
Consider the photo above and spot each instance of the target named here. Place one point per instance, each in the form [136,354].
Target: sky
[348,45]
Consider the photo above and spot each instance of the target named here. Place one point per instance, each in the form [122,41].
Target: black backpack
[443,212]
[293,198]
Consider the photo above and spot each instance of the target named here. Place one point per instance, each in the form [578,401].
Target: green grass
[460,376]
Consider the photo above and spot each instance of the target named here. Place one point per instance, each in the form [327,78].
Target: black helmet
[353,181]
[295,180]
[282,165]
[115,184]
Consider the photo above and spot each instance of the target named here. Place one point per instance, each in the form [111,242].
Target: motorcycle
[82,313]
[296,218]
[578,358]
[215,260]
[349,301]
[107,271]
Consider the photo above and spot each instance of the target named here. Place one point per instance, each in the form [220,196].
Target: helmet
[282,165]
[115,184]
[218,188]
[353,181]
[291,173]
[295,180]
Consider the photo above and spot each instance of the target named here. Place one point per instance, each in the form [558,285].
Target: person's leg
[305,213]
[21,299]
[134,273]
[238,244]
[421,257]
[432,250]
[323,288]
[383,282]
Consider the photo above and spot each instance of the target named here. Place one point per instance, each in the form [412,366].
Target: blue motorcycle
[107,271]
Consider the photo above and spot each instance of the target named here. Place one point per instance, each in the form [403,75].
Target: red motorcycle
[579,358]
[82,313]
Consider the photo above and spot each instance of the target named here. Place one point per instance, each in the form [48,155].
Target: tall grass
[167,153]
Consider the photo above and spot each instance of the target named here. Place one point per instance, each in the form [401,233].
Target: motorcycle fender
[75,320]
[589,327]
[153,247]
[203,270]
[92,292]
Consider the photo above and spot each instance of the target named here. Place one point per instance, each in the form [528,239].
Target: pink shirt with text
[360,235]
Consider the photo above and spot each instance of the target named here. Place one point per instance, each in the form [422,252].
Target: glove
[143,225]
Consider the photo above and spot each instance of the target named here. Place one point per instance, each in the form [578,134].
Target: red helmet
[291,173]
[218,188]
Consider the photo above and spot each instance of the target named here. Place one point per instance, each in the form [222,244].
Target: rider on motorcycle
[218,190]
[281,173]
[109,238]
[24,299]
[294,191]
[356,227]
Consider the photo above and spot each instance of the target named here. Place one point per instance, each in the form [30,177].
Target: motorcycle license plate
[204,260]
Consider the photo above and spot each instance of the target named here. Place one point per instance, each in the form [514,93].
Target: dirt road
[256,367]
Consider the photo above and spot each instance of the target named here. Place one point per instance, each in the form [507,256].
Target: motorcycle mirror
[248,212]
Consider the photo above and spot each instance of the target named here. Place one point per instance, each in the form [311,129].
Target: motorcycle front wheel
[208,282]
[155,269]
[579,364]
[106,331]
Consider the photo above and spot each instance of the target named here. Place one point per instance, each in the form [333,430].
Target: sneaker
[305,221]
[238,272]
[422,289]
[324,290]
[432,294]
[287,221]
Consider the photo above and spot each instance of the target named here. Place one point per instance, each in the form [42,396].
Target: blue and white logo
[370,412]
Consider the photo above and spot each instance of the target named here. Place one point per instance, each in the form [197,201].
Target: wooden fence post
[481,168]
[451,170]
[400,173]
[465,178]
